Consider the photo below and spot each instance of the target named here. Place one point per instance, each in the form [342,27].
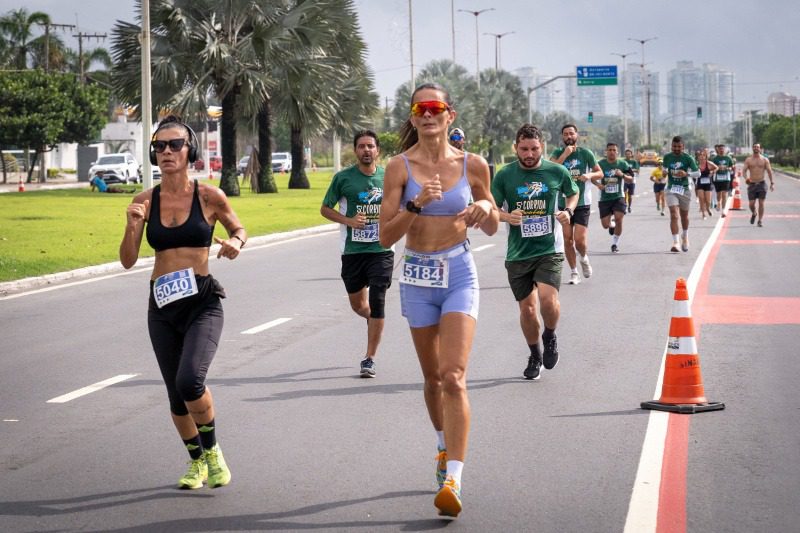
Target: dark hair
[408,133]
[609,145]
[677,139]
[565,126]
[528,131]
[365,133]
[175,122]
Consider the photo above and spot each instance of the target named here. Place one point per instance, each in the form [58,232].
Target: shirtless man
[756,164]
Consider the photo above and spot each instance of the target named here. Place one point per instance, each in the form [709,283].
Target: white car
[124,164]
[281,162]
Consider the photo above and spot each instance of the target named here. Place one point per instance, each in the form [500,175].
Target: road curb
[38,282]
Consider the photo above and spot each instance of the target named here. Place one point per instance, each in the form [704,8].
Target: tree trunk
[30,167]
[229,182]
[298,178]
[3,162]
[266,181]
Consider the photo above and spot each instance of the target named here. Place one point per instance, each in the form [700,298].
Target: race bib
[677,189]
[368,234]
[704,180]
[723,176]
[536,226]
[612,188]
[174,286]
[424,271]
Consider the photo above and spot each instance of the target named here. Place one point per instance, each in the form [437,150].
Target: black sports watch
[568,210]
[412,207]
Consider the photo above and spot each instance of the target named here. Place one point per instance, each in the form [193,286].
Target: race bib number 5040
[174,286]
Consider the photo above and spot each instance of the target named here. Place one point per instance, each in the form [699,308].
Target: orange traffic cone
[21,185]
[210,174]
[682,386]
[737,200]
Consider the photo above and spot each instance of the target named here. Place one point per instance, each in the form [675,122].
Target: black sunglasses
[175,145]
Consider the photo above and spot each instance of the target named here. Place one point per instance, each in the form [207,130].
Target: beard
[366,159]
[570,142]
[529,162]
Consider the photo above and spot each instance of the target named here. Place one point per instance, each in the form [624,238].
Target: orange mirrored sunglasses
[434,107]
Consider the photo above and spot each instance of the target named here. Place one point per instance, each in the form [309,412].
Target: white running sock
[675,238]
[454,469]
[584,258]
[574,270]
[685,233]
[615,239]
[440,440]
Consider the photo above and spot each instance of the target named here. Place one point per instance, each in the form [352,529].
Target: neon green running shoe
[194,477]
[448,499]
[441,467]
[218,473]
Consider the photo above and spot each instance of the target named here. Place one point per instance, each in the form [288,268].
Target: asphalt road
[314,447]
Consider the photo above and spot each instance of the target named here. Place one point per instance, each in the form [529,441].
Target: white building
[782,103]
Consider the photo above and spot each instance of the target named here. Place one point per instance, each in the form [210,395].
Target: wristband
[240,240]
[570,211]
[412,207]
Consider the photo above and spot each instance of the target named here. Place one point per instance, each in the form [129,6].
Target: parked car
[215,163]
[242,166]
[199,164]
[649,157]
[124,164]
[281,162]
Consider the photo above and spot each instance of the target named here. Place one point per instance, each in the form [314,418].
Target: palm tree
[504,108]
[16,27]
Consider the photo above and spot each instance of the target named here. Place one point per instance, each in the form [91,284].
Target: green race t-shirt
[723,162]
[674,163]
[535,192]
[579,162]
[355,192]
[634,165]
[612,184]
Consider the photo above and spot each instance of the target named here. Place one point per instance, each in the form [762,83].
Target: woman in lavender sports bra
[432,194]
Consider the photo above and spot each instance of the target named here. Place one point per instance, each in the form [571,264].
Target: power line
[81,36]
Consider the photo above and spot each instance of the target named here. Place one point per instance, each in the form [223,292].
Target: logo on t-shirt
[371,196]
[532,190]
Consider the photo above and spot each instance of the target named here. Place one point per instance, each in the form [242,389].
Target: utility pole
[411,45]
[624,101]
[47,26]
[453,27]
[477,43]
[81,36]
[497,58]
[647,86]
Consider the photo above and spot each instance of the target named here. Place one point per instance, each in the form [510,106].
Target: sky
[755,40]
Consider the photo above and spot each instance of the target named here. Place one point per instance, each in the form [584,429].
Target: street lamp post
[411,44]
[624,100]
[647,86]
[477,44]
[497,58]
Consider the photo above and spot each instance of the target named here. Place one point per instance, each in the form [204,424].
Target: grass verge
[45,232]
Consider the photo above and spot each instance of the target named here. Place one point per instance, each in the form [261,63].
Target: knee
[528,313]
[433,384]
[377,301]
[454,382]
[190,388]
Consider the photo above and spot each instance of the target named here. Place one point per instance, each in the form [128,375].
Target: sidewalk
[67,181]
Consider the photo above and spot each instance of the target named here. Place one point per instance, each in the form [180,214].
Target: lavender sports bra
[453,200]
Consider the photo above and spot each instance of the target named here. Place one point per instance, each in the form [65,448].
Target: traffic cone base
[21,185]
[737,200]
[682,387]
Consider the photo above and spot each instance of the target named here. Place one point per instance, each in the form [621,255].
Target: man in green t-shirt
[582,167]
[722,178]
[630,186]
[366,265]
[527,194]
[680,166]
[616,172]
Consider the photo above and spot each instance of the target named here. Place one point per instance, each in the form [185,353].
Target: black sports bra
[196,232]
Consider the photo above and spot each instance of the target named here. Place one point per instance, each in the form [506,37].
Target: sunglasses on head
[456,137]
[175,145]
[434,107]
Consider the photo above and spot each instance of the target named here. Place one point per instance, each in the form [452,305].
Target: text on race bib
[425,271]
[536,226]
[368,234]
[612,188]
[174,286]
[677,189]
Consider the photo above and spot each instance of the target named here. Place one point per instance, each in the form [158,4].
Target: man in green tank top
[582,166]
[722,177]
[366,265]
[527,194]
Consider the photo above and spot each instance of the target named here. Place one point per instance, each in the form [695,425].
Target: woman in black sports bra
[185,315]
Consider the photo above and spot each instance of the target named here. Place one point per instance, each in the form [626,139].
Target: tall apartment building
[782,103]
[543,98]
[581,100]
[709,87]
[636,82]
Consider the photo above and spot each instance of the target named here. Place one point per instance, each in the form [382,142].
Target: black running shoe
[614,249]
[532,370]
[752,218]
[550,352]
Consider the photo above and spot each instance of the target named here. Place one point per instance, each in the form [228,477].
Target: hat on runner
[456,134]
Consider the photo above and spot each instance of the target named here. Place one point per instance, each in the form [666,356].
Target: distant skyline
[549,36]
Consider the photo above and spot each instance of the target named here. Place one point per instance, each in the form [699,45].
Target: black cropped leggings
[184,350]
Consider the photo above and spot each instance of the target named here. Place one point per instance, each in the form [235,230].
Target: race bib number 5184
[424,271]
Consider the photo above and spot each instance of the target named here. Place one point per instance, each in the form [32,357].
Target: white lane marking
[643,507]
[91,388]
[262,327]
[481,248]
[11,420]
